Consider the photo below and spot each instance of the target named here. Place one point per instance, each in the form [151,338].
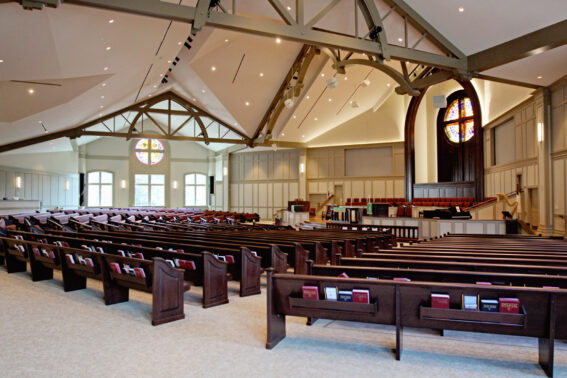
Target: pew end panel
[320,254]
[251,269]
[301,257]
[279,259]
[16,258]
[167,292]
[215,281]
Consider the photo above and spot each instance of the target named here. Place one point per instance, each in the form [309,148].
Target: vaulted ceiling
[63,67]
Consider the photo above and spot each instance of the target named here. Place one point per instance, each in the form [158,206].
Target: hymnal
[81,260]
[115,268]
[361,296]
[69,259]
[128,270]
[254,253]
[483,283]
[331,293]
[371,278]
[99,249]
[470,302]
[310,292]
[402,279]
[345,296]
[171,263]
[36,251]
[139,272]
[489,305]
[550,287]
[343,275]
[89,261]
[509,305]
[229,259]
[440,300]
[221,258]
[121,252]
[138,255]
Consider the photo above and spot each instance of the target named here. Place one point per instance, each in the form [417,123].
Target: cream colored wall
[263,182]
[502,178]
[114,155]
[559,155]
[384,125]
[498,98]
[326,169]
[59,162]
[44,178]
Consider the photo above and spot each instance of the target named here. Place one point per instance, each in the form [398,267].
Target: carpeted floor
[47,332]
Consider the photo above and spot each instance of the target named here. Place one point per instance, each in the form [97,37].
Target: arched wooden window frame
[409,141]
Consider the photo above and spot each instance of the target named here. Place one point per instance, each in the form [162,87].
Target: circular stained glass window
[458,120]
[149,151]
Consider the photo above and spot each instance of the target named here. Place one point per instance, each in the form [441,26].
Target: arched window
[458,120]
[149,151]
[99,189]
[195,189]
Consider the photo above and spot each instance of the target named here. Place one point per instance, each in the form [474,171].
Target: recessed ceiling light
[213,68]
[1,60]
[330,100]
[149,95]
[203,91]
[400,39]
[106,68]
[364,54]
[387,84]
[350,102]
[322,75]
[226,40]
[288,8]
[303,136]
[160,75]
[307,97]
[155,86]
[540,77]
[316,119]
[278,40]
[102,106]
[346,77]
[461,9]
[283,134]
[101,96]
[100,114]
[194,99]
[40,122]
[104,84]
[180,42]
[169,61]
[111,21]
[294,116]
[261,74]
[108,48]
[247,103]
[31,91]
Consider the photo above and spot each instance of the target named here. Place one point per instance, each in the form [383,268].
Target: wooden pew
[165,283]
[407,304]
[209,272]
[480,267]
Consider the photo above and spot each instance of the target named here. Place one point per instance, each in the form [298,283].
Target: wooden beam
[522,47]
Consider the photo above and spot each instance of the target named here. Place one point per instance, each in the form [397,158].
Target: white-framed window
[195,189]
[149,190]
[99,189]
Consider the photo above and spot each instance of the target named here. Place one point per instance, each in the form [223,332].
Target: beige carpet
[47,332]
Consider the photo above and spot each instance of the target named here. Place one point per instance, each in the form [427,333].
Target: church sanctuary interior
[283,188]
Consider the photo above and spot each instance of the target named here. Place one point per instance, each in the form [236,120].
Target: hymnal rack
[404,304]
